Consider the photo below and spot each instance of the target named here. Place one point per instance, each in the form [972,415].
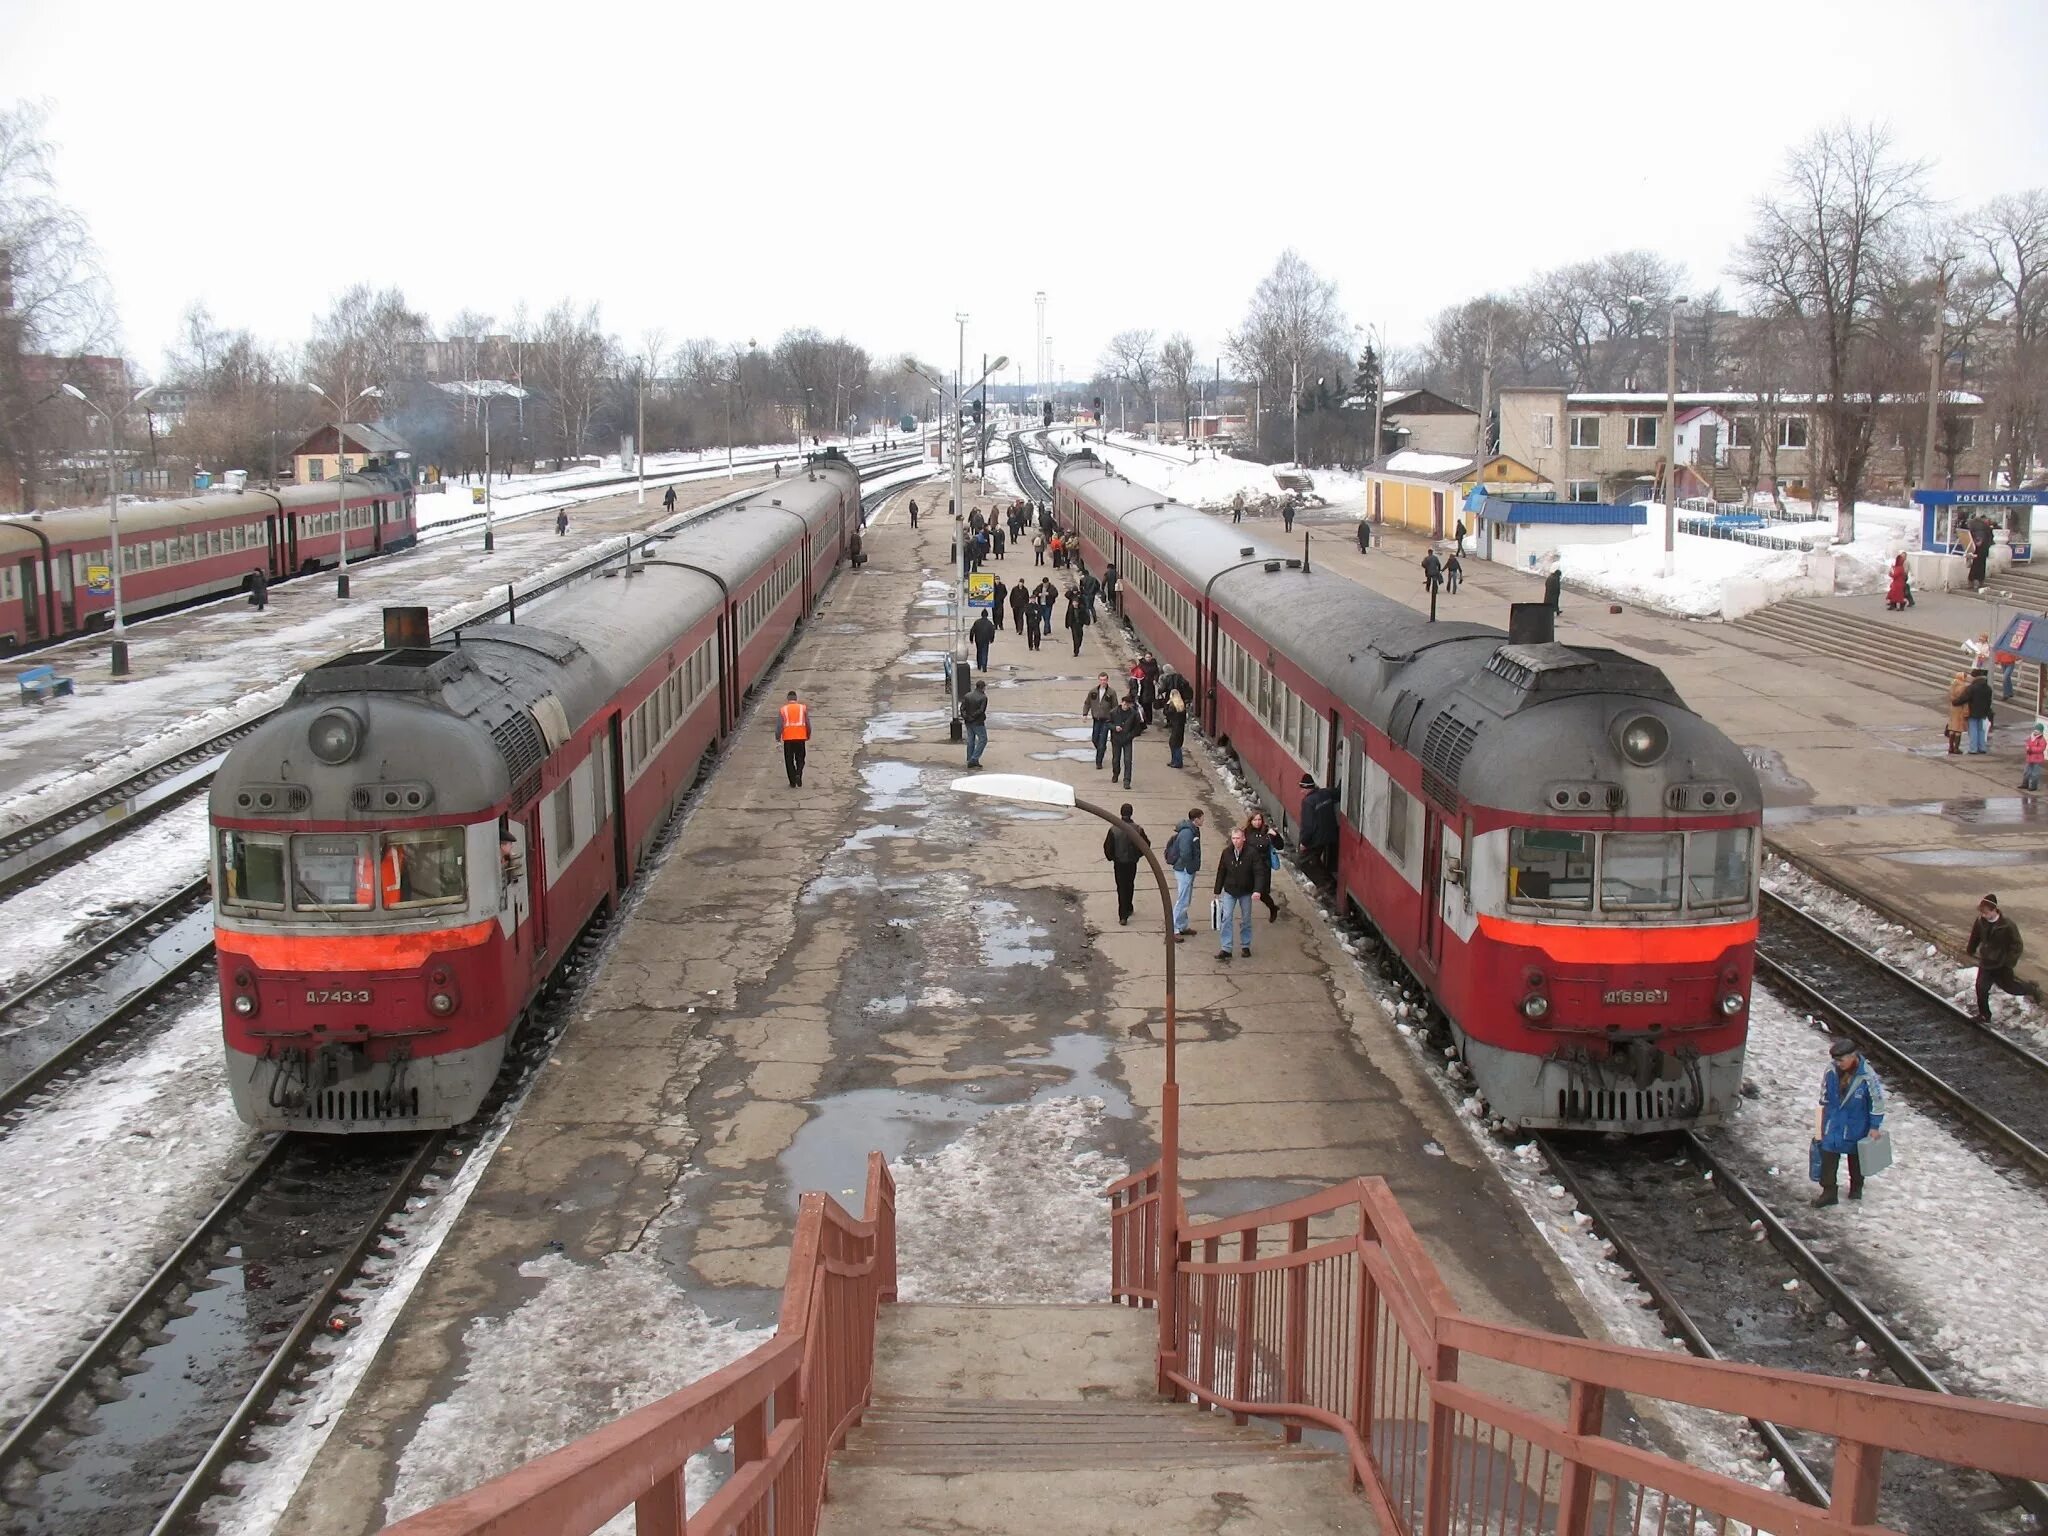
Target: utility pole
[1671,439]
[1379,397]
[1934,382]
[640,435]
[958,728]
[1294,405]
[1038,364]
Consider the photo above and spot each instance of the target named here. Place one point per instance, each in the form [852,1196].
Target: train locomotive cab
[368,898]
[1605,895]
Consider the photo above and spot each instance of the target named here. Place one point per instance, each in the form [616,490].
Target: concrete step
[1927,661]
[944,1436]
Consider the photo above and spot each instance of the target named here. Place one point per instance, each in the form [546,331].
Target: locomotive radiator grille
[357,1105]
[1594,1106]
[1444,746]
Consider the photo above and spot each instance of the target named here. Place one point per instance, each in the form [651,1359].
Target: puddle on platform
[1968,858]
[1066,754]
[1781,786]
[1006,936]
[892,786]
[919,658]
[900,725]
[1994,811]
[830,1152]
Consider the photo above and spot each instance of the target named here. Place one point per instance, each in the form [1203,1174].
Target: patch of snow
[97,1187]
[1413,461]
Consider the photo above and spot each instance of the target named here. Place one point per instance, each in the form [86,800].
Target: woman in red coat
[1900,593]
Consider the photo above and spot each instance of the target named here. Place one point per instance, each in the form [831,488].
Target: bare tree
[1293,320]
[1177,368]
[1131,358]
[1824,249]
[571,358]
[366,337]
[2010,234]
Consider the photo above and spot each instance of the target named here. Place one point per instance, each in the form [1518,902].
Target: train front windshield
[1637,876]
[341,874]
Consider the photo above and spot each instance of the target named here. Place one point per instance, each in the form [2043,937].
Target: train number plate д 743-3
[339,996]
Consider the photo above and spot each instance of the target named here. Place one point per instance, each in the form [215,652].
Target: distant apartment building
[1607,446]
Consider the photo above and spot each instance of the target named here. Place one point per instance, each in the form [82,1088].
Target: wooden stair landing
[953,1435]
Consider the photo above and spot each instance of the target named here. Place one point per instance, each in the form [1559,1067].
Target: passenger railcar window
[429,865]
[251,869]
[1550,869]
[565,821]
[332,872]
[1398,801]
[1639,870]
[1717,866]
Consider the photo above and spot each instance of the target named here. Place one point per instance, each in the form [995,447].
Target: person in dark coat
[259,590]
[1112,584]
[1995,941]
[562,517]
[1264,842]
[1553,586]
[974,718]
[1317,829]
[1851,1112]
[982,633]
[1089,588]
[1020,599]
[1459,547]
[1977,704]
[1237,881]
[1034,630]
[1000,612]
[1432,571]
[1364,536]
[1980,554]
[1123,845]
[1184,857]
[1124,725]
[1147,675]
[1454,572]
[1175,699]
[998,538]
[1096,709]
[1076,619]
[668,500]
[1047,594]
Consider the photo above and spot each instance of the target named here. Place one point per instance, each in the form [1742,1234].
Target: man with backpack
[1184,858]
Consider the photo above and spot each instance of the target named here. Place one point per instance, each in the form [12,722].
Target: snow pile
[100,1185]
[1412,461]
[1202,481]
[963,1234]
[1632,570]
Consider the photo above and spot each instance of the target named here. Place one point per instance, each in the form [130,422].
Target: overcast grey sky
[738,168]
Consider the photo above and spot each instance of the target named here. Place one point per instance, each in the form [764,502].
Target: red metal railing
[1326,1312]
[786,1404]
[1134,1239]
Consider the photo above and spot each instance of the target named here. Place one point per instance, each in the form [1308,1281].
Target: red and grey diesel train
[56,567]
[1561,853]
[404,852]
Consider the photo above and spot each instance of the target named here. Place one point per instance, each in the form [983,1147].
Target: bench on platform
[40,684]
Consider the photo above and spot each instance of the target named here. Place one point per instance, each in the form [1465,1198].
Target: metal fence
[786,1405]
[1710,528]
[1326,1313]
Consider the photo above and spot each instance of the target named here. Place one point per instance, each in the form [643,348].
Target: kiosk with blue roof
[1946,515]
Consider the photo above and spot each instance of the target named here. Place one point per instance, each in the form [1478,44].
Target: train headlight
[244,1004]
[442,1003]
[1644,739]
[1535,1005]
[335,735]
[1732,1004]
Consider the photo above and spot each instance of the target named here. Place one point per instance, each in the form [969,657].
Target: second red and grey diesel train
[1560,852]
[404,852]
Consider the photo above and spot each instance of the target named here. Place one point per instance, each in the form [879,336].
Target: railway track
[205,1344]
[1732,1281]
[1993,1085]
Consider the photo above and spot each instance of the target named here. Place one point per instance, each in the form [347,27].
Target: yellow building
[314,459]
[1425,492]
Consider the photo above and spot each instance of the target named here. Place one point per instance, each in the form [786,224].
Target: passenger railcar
[1559,851]
[405,851]
[175,552]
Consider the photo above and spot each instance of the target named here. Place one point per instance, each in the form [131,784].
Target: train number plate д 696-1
[339,996]
[1642,995]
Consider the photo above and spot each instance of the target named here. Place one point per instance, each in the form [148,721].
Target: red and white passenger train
[406,850]
[175,552]
[1559,851]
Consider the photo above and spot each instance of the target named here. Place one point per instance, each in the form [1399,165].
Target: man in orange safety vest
[793,730]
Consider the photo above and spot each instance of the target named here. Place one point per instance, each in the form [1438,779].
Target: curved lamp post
[113,420]
[1028,789]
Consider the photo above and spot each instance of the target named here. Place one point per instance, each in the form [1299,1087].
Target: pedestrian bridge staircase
[1320,1319]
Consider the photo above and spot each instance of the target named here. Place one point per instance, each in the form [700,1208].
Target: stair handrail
[787,1404]
[1331,1314]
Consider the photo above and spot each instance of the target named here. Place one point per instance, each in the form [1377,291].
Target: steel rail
[101,948]
[1980,1062]
[199,1482]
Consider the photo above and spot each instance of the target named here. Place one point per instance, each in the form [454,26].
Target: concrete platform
[873,961]
[1858,783]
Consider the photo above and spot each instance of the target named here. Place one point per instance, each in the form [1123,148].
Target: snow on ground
[96,1188]
[1202,481]
[1940,1239]
[123,877]
[962,1235]
[1906,949]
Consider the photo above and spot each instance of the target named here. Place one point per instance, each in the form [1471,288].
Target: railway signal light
[1048,413]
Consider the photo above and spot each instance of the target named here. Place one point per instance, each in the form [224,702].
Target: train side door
[1432,892]
[612,778]
[537,888]
[31,602]
[67,594]
[376,527]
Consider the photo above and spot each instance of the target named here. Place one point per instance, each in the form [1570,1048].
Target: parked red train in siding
[1559,851]
[176,552]
[406,850]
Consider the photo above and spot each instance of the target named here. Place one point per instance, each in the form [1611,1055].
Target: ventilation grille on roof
[1516,673]
[1443,755]
[519,742]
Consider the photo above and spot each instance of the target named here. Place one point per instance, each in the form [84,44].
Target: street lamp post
[1031,790]
[119,658]
[640,437]
[341,411]
[1671,438]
